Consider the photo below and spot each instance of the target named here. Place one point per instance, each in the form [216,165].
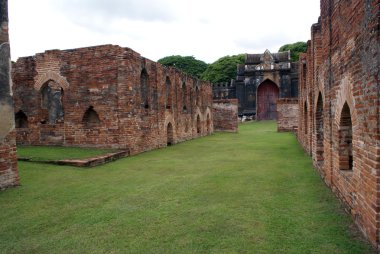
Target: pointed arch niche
[91,118]
[346,159]
[319,130]
[144,87]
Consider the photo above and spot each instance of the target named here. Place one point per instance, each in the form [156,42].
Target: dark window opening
[346,159]
[51,102]
[319,129]
[170,134]
[144,86]
[168,93]
[198,124]
[91,117]
[305,119]
[21,120]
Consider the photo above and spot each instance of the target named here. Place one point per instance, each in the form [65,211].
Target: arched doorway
[319,130]
[169,134]
[267,95]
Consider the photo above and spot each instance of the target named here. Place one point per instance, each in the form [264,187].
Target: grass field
[252,192]
[47,153]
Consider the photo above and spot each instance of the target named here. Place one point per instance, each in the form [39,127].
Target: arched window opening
[144,86]
[305,118]
[170,134]
[21,119]
[91,117]
[51,100]
[191,99]
[346,160]
[45,90]
[197,96]
[169,100]
[319,129]
[199,124]
[184,96]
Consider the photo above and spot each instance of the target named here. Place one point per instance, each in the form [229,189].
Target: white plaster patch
[6,119]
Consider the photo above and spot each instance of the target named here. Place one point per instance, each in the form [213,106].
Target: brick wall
[107,96]
[225,114]
[339,106]
[287,114]
[8,161]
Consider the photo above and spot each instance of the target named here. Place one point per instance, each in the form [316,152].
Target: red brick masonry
[339,106]
[8,163]
[107,96]
[225,115]
[287,114]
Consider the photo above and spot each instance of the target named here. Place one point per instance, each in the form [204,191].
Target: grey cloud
[105,10]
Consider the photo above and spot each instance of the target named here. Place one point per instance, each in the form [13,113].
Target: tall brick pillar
[8,161]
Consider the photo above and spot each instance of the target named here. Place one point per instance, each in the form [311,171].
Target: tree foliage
[187,64]
[224,69]
[295,49]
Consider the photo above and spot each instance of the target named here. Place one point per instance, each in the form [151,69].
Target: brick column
[8,161]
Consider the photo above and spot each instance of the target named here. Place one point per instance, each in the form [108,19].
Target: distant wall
[287,114]
[225,114]
[107,96]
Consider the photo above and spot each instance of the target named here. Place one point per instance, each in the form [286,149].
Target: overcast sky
[206,29]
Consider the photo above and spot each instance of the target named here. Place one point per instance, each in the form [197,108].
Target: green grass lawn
[252,192]
[48,153]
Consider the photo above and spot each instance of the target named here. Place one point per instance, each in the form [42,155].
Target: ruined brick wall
[339,106]
[225,115]
[8,161]
[107,96]
[287,114]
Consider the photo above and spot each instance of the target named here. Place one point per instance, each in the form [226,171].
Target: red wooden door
[267,95]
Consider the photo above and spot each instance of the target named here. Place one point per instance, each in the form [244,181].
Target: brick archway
[50,75]
[345,127]
[319,129]
[267,95]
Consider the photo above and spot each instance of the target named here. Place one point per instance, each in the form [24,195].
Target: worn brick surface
[225,113]
[287,114]
[106,81]
[339,106]
[8,162]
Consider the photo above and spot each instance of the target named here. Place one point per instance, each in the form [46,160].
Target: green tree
[224,69]
[295,49]
[187,64]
